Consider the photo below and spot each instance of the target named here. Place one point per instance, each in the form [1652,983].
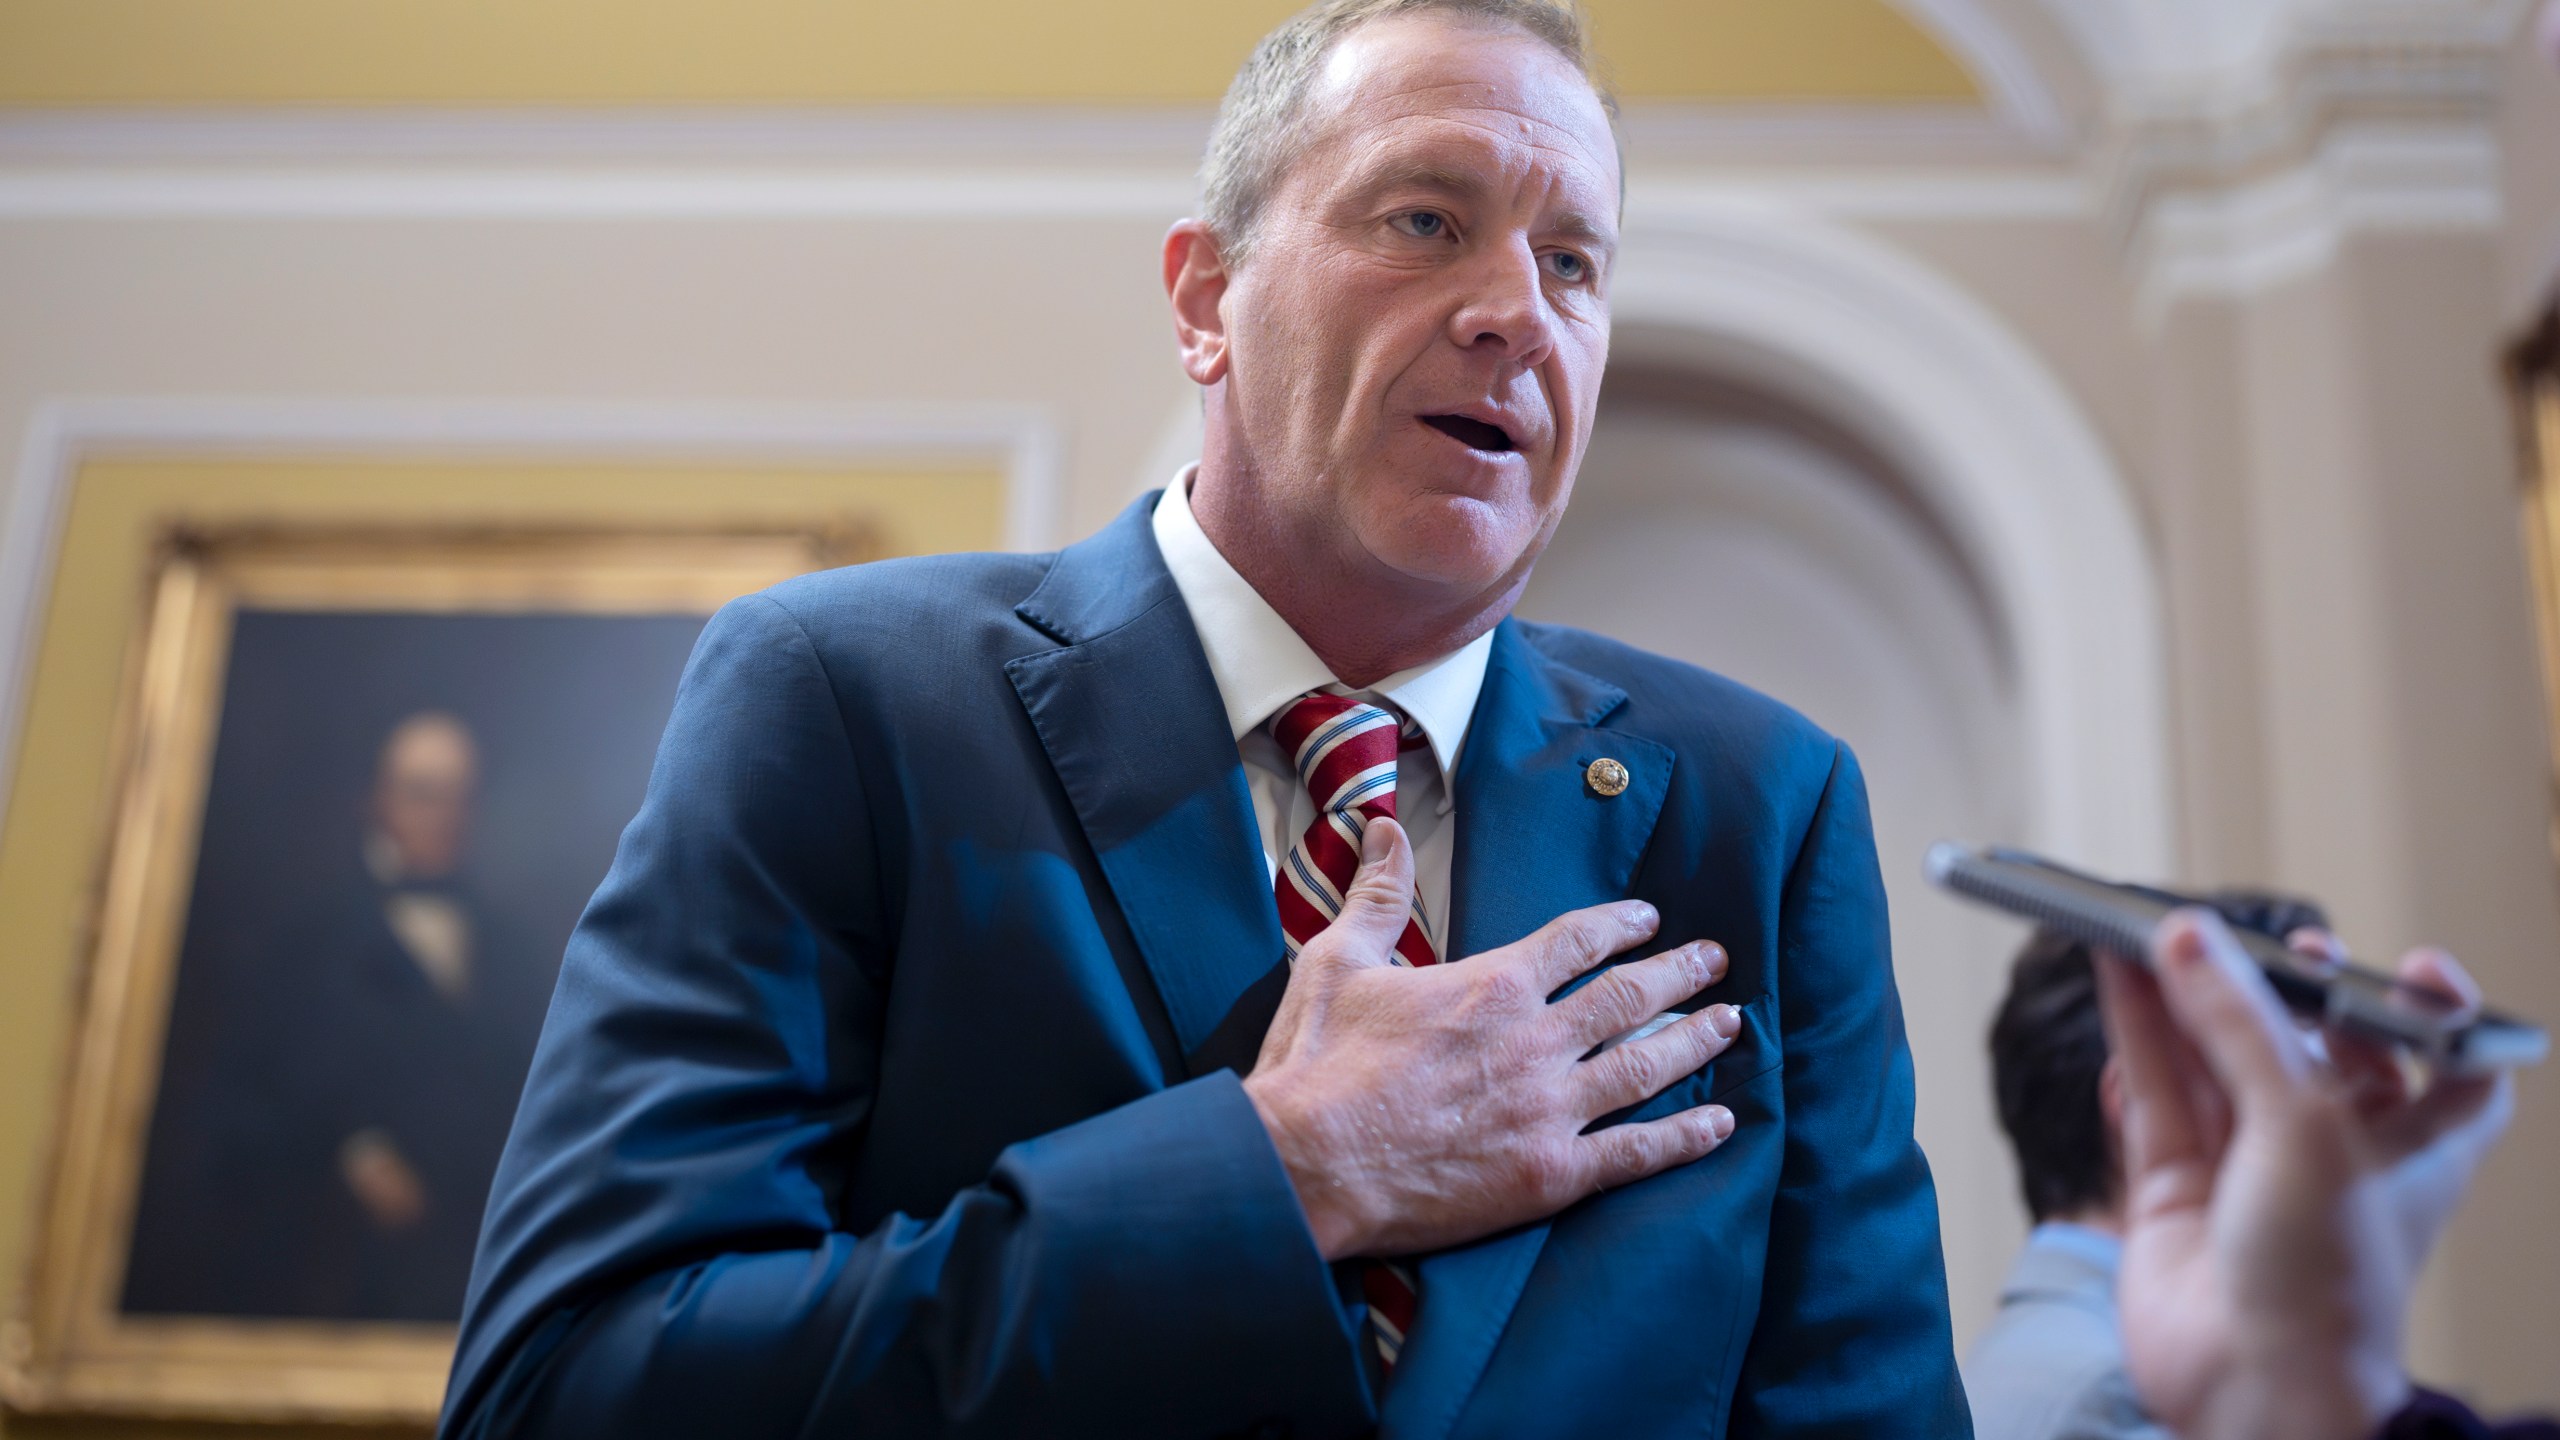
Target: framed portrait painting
[2534,368]
[368,782]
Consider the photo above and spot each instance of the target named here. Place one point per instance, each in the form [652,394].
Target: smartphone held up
[2115,916]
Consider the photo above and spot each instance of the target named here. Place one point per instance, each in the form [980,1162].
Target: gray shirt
[2051,1364]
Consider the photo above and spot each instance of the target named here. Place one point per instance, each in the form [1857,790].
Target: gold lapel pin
[1606,778]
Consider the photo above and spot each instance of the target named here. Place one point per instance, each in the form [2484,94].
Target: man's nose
[1505,313]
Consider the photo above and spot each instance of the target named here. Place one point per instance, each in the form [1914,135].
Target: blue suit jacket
[887,1089]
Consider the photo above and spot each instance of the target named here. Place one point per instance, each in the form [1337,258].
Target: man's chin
[1455,544]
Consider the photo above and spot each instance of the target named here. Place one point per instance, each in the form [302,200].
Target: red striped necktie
[1345,754]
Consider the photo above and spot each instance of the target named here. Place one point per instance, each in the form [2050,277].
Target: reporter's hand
[2278,1207]
[1421,1108]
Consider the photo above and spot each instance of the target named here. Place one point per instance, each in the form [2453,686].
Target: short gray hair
[1263,122]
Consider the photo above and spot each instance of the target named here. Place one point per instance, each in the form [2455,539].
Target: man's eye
[1568,267]
[1423,224]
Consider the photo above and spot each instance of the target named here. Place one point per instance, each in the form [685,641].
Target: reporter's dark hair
[2048,1049]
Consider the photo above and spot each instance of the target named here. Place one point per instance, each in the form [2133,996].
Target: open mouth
[1474,434]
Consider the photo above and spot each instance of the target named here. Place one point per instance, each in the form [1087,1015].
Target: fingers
[1579,939]
[1380,898]
[2470,1111]
[2323,947]
[2223,1004]
[2432,969]
[1624,1154]
[1628,995]
[2377,1077]
[2368,1074]
[2464,1113]
[2163,1133]
[1638,1070]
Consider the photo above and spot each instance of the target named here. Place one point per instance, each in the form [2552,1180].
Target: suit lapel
[1534,841]
[1131,720]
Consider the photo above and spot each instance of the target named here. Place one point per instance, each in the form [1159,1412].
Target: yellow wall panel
[577,52]
[1838,50]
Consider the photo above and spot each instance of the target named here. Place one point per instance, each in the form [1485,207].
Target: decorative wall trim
[1153,134]
[60,164]
[2217,60]
[1986,193]
[2014,89]
[2249,137]
[1863,334]
[2019,120]
[2264,232]
[1157,138]
[63,433]
[785,193]
[589,193]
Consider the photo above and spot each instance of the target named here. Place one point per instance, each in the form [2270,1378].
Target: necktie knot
[1345,753]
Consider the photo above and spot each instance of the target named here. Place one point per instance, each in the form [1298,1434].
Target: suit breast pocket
[1754,1052]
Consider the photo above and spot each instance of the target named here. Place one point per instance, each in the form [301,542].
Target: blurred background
[2090,409]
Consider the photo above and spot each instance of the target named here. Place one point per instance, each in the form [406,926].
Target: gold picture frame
[2533,368]
[73,1348]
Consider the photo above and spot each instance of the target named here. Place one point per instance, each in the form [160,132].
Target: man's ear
[1195,280]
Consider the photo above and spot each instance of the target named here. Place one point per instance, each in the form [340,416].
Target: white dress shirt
[1261,665]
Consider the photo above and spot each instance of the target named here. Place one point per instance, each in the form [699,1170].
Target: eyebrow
[1582,227]
[1419,175]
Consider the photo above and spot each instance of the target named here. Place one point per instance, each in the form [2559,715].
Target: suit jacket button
[1606,778]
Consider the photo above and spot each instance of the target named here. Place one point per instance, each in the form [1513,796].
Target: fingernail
[1719,1122]
[1373,844]
[2187,943]
[1642,918]
[1726,1020]
[1716,958]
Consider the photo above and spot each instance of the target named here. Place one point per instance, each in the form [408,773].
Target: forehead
[428,748]
[1442,82]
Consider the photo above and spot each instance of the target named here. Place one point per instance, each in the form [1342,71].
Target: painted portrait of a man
[403,816]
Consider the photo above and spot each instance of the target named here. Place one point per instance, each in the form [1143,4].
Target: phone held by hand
[2107,915]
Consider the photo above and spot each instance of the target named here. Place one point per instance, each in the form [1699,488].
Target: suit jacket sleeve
[1853,1336]
[662,1254]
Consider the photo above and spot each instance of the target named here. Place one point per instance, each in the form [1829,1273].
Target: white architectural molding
[62,434]
[1772,134]
[2220,58]
[1863,334]
[983,162]
[2013,88]
[749,135]
[2250,138]
[2251,236]
[345,192]
[842,192]
[1966,194]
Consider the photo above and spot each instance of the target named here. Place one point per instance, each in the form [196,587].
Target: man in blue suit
[893,1081]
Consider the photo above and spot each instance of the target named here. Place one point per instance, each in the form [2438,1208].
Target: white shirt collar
[1260,663]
